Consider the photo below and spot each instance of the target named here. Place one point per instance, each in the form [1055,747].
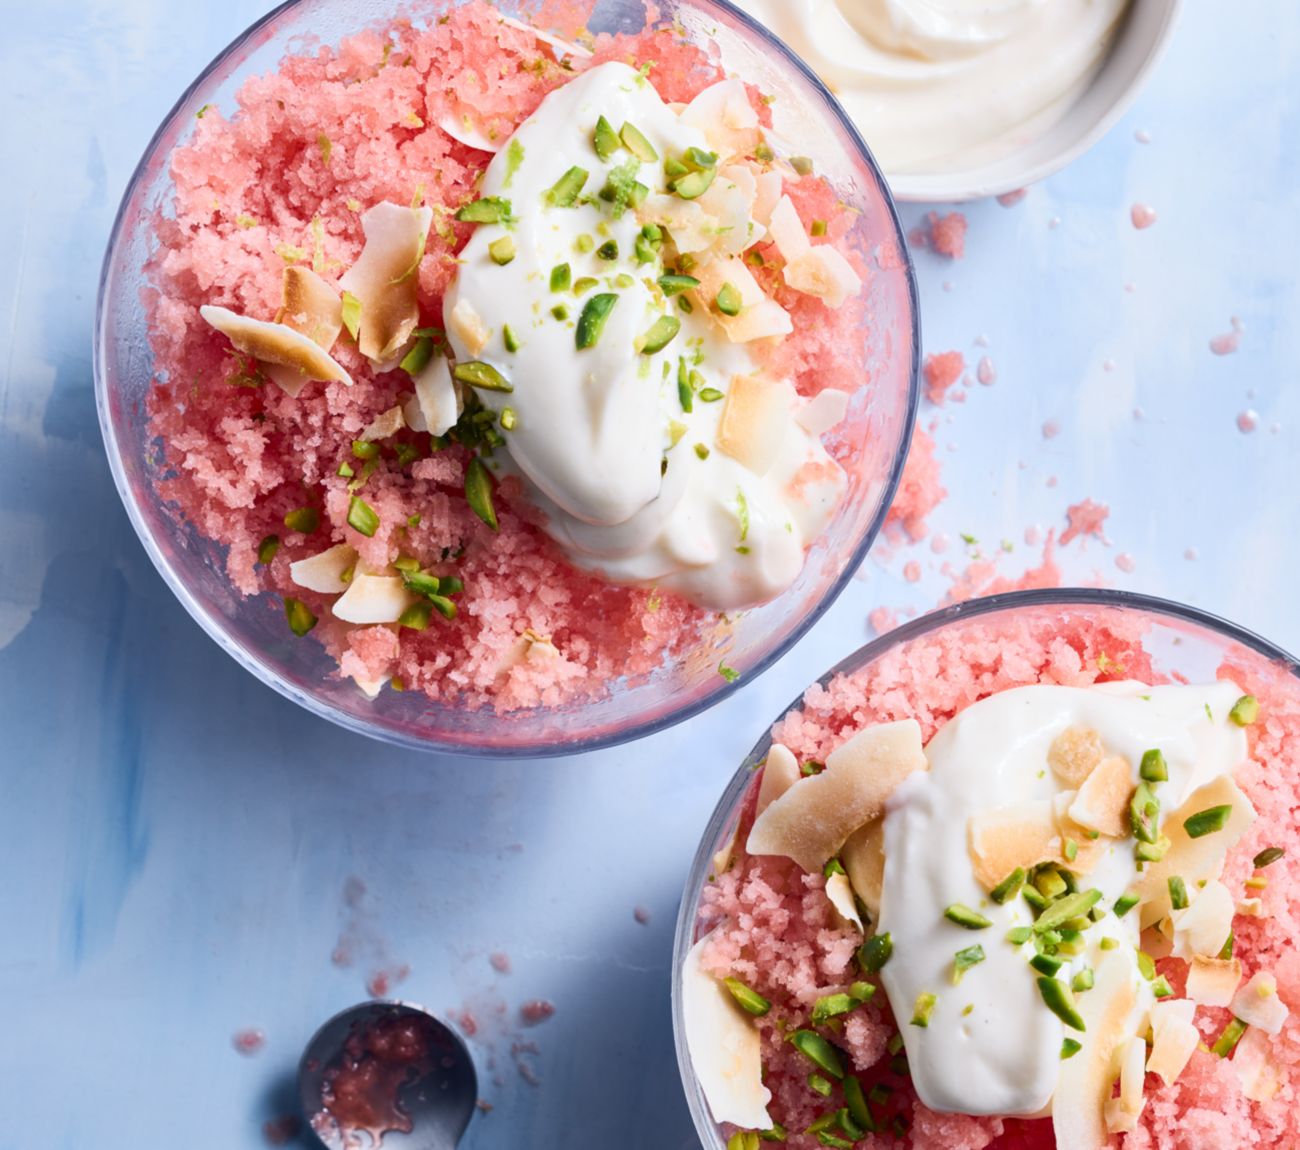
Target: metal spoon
[390,1071]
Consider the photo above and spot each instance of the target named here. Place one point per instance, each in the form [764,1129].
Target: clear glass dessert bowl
[987,636]
[874,436]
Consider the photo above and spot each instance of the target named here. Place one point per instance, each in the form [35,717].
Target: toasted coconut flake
[386,425]
[437,403]
[1022,835]
[730,201]
[811,821]
[1174,1039]
[562,49]
[1258,1004]
[311,305]
[1074,753]
[1261,1077]
[385,278]
[724,855]
[863,857]
[1213,981]
[276,344]
[1251,907]
[824,273]
[1202,928]
[468,326]
[371,687]
[824,411]
[691,227]
[767,194]
[780,773]
[1081,1100]
[463,129]
[723,113]
[1132,1071]
[324,572]
[372,599]
[788,231]
[1194,859]
[767,319]
[725,1048]
[840,891]
[1103,798]
[754,421]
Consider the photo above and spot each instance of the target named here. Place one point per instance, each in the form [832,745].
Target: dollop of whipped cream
[639,414]
[939,85]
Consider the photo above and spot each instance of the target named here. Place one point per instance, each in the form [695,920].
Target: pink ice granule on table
[285,179]
[773,926]
[945,235]
[942,370]
[1086,518]
[920,490]
[1143,216]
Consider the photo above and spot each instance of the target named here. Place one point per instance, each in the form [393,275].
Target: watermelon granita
[1011,885]
[505,361]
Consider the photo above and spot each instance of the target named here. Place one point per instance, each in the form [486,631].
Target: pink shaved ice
[773,927]
[285,180]
[942,370]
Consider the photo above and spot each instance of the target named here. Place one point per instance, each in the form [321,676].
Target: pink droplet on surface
[1229,341]
[536,1012]
[1247,421]
[1142,136]
[1051,481]
[1010,199]
[1143,216]
[1051,429]
[1130,287]
[1054,223]
[641,914]
[1191,555]
[985,372]
[1108,365]
[940,543]
[1033,535]
[248,1042]
[912,572]
[882,619]
[500,962]
[1087,517]
[1126,563]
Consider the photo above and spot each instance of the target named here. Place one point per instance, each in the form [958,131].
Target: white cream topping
[600,436]
[937,85]
[1003,1056]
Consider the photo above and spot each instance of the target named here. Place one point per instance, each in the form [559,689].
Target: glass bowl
[1180,641]
[878,427]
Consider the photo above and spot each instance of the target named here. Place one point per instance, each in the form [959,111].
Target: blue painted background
[177,838]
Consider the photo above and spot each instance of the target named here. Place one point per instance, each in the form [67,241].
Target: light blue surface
[177,837]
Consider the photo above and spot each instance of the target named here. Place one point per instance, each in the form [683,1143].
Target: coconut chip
[372,599]
[1258,1003]
[562,49]
[780,773]
[1202,928]
[1025,834]
[1213,981]
[276,344]
[467,326]
[324,573]
[1174,1039]
[863,858]
[464,130]
[1074,753]
[823,273]
[726,117]
[754,421]
[824,411]
[310,305]
[1261,1077]
[840,892]
[788,231]
[1122,1113]
[386,277]
[384,426]
[759,318]
[725,1048]
[1103,798]
[812,820]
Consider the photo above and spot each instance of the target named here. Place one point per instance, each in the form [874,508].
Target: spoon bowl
[390,1073]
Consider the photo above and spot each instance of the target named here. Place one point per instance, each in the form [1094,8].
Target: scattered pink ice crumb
[248,1042]
[1108,365]
[1051,429]
[282,1130]
[381,983]
[1010,199]
[641,914]
[466,1020]
[1054,223]
[948,234]
[948,285]
[986,373]
[1143,216]
[1126,563]
[500,962]
[1247,421]
[1086,518]
[1051,481]
[1229,341]
[942,370]
[1034,536]
[940,543]
[536,1012]
[912,572]
[527,1071]
[920,491]
[882,619]
[1191,555]
[1139,413]
[1130,287]
[1142,136]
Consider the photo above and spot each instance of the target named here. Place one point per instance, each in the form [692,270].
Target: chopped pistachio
[561,277]
[1069,1048]
[752,1002]
[710,395]
[584,285]
[1071,850]
[862,991]
[1033,897]
[818,1051]
[833,866]
[502,250]
[417,359]
[1084,980]
[831,1005]
[728,673]
[605,140]
[685,390]
[662,332]
[1050,883]
[1065,908]
[608,250]
[299,617]
[362,517]
[895,1043]
[1109,943]
[1154,769]
[963,916]
[819,1085]
[728,300]
[1177,893]
[1019,935]
[1244,711]
[478,492]
[698,159]
[1146,965]
[592,321]
[509,420]
[1045,964]
[802,164]
[701,451]
[351,314]
[1229,946]
[267,548]
[481,375]
[923,1008]
[363,449]
[1060,1001]
[875,952]
[1144,814]
[514,157]
[818,227]
[965,959]
[1208,821]
[560,312]
[417,616]
[510,339]
[636,143]
[1009,887]
[488,210]
[672,285]
[694,184]
[1228,1039]
[1161,988]
[856,1104]
[303,519]
[1268,856]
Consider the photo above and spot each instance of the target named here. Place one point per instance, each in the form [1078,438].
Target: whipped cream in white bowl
[961,99]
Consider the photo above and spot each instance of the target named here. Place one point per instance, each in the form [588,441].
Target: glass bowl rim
[542,747]
[683,935]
